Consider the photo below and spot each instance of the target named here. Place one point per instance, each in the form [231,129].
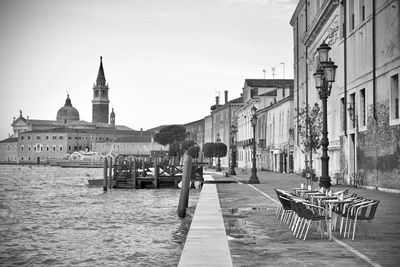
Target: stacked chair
[298,214]
[360,210]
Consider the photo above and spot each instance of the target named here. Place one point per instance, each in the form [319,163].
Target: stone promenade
[255,237]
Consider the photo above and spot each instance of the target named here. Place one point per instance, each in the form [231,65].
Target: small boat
[83,159]
[95,182]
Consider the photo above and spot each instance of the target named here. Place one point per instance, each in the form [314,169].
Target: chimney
[226,96]
[217,100]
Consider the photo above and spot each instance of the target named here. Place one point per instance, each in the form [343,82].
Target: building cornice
[323,15]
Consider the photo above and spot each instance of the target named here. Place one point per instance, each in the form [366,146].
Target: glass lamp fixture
[330,71]
[323,51]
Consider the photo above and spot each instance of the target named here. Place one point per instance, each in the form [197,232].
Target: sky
[165,61]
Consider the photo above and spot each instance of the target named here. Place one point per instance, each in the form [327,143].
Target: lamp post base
[254,178]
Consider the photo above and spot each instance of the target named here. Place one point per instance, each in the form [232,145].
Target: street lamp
[324,77]
[253,177]
[233,150]
[219,160]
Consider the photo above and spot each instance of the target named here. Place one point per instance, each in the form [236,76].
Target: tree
[208,150]
[220,150]
[193,151]
[170,134]
[310,133]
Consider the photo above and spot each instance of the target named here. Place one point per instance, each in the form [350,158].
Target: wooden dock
[137,173]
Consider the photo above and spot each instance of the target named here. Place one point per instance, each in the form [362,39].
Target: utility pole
[273,73]
[264,73]
[283,63]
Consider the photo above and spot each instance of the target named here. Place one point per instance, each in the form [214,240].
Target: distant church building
[38,141]
[100,97]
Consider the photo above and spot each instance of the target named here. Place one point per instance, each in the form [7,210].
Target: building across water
[38,141]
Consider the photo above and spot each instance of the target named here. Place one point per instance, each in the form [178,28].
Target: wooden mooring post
[110,174]
[184,197]
[105,175]
[133,172]
[156,171]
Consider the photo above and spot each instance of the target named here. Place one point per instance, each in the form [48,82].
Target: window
[69,147]
[29,148]
[47,137]
[61,137]
[69,138]
[38,137]
[353,104]
[362,10]
[54,148]
[96,93]
[61,148]
[394,97]
[54,137]
[29,138]
[22,148]
[362,108]
[47,148]
[351,15]
[75,147]
[342,19]
[342,113]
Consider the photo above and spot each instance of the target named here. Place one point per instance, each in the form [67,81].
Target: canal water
[49,216]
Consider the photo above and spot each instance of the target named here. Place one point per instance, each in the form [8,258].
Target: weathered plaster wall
[378,151]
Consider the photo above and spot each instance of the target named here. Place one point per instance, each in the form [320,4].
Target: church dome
[67,113]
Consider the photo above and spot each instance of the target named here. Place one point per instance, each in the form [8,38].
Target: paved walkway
[255,237]
[206,243]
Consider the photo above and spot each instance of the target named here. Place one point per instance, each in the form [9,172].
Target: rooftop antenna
[283,63]
[264,73]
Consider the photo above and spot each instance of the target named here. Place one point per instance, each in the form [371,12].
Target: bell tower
[100,97]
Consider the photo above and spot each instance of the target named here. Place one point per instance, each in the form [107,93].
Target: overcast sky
[164,60]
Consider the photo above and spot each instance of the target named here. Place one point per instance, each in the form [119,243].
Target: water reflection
[49,216]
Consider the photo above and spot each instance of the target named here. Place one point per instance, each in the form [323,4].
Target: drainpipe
[373,59]
[374,81]
[306,18]
[297,76]
[345,66]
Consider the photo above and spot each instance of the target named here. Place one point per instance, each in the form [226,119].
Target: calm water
[49,216]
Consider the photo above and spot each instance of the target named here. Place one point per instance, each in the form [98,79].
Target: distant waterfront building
[37,141]
[222,119]
[272,98]
[363,108]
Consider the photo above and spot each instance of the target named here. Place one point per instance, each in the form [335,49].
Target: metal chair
[364,211]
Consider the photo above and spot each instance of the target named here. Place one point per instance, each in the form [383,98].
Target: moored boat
[83,159]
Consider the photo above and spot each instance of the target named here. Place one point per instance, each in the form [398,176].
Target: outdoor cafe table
[310,194]
[329,203]
[298,191]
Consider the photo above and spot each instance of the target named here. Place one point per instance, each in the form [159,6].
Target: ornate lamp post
[219,159]
[324,77]
[233,151]
[253,177]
